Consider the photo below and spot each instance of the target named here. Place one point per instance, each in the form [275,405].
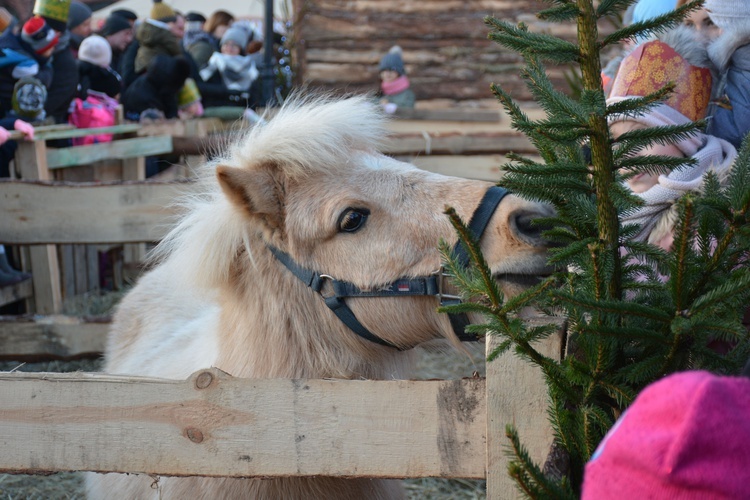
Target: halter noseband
[431,285]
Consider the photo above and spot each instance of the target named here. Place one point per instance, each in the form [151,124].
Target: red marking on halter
[404,287]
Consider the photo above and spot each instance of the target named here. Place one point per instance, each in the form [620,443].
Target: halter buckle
[442,275]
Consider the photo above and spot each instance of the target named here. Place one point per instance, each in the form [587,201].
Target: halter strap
[420,286]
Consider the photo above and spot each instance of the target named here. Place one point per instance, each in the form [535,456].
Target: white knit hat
[96,50]
[726,13]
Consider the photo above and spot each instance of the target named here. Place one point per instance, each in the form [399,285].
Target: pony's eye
[352,219]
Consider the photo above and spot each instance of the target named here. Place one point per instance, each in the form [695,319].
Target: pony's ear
[254,191]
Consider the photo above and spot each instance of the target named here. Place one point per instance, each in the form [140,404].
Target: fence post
[31,163]
[517,394]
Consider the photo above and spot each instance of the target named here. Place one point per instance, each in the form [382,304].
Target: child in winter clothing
[394,85]
[730,53]
[94,58]
[25,54]
[153,95]
[237,70]
[637,76]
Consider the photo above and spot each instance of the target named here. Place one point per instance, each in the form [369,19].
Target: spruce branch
[651,27]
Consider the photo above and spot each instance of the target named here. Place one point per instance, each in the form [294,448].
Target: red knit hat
[686,436]
[39,35]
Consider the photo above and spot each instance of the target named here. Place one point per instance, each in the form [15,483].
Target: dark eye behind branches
[352,219]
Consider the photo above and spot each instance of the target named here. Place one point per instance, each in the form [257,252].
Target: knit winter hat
[125,14]
[78,13]
[29,97]
[55,12]
[648,9]
[115,24]
[393,61]
[96,50]
[236,34]
[195,16]
[686,436]
[727,14]
[162,12]
[188,94]
[39,35]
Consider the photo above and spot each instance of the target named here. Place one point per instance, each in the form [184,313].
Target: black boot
[10,278]
[7,269]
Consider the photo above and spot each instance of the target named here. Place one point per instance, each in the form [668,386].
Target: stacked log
[445,45]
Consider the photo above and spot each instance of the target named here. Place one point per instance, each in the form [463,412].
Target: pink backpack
[97,110]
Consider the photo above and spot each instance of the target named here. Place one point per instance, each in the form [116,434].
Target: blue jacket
[17,60]
[730,111]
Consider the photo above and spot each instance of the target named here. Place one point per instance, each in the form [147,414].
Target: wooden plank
[51,336]
[457,143]
[517,394]
[481,167]
[36,213]
[62,131]
[16,292]
[456,115]
[31,162]
[216,425]
[118,149]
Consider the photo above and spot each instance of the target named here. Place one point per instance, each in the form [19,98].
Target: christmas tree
[635,312]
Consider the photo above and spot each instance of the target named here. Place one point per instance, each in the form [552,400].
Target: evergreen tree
[627,327]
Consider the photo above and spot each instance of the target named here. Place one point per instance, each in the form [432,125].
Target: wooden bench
[34,160]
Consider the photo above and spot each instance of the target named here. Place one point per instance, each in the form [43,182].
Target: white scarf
[711,153]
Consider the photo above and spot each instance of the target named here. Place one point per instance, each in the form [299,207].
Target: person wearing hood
[640,74]
[154,94]
[155,36]
[730,53]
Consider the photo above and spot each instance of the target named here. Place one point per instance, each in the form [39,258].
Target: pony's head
[310,187]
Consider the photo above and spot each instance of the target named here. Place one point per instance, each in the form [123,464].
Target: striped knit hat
[39,35]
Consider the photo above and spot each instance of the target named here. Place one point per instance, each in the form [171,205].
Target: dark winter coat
[64,85]
[154,38]
[127,64]
[18,59]
[93,77]
[157,88]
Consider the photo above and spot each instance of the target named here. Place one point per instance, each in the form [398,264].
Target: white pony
[308,191]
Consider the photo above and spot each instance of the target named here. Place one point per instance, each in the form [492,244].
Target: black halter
[431,285]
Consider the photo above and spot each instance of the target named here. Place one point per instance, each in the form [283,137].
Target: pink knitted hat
[685,437]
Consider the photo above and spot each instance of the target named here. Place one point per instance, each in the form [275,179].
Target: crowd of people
[60,66]
[167,65]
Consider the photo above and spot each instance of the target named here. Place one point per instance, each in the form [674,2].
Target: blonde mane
[307,135]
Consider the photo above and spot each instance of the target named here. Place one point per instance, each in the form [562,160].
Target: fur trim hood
[725,45]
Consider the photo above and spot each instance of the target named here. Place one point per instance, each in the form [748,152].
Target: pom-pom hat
[39,35]
[162,12]
[653,65]
[393,61]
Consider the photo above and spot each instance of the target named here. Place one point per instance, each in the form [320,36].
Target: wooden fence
[216,425]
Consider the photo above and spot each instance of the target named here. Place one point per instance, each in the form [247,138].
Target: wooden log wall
[446,51]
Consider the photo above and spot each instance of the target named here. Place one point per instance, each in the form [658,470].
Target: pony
[304,195]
